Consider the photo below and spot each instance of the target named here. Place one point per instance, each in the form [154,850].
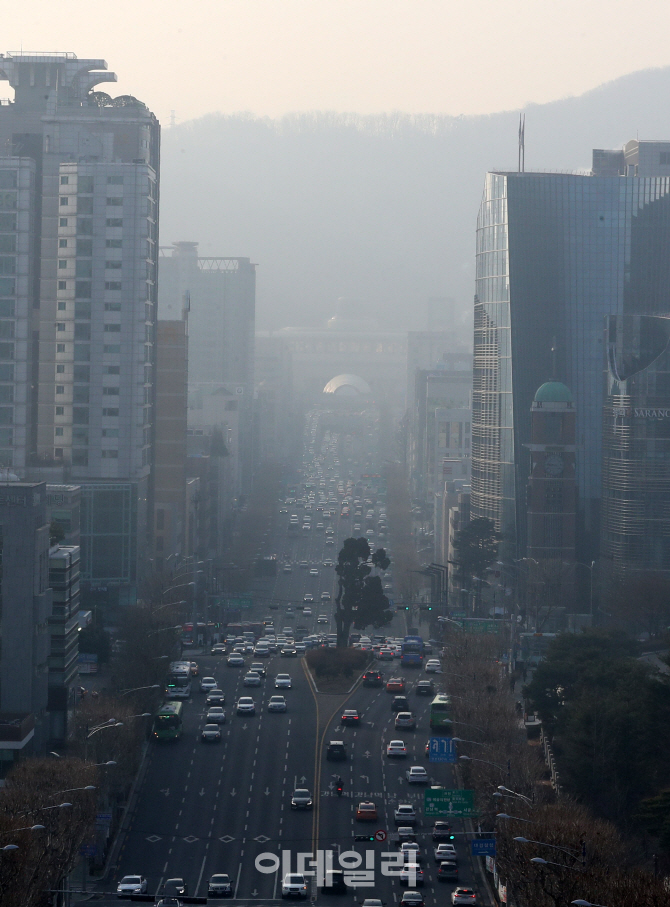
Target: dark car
[400,704]
[373,679]
[333,882]
[425,688]
[175,887]
[336,751]
[350,716]
[442,831]
[447,871]
[220,886]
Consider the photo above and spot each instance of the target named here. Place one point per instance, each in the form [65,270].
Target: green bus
[167,725]
[440,713]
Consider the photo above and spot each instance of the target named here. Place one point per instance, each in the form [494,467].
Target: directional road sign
[483,847]
[460,803]
[237,603]
[441,749]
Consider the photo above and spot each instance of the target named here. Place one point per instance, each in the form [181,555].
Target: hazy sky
[276,56]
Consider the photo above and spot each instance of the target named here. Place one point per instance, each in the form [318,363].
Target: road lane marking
[237,882]
[202,869]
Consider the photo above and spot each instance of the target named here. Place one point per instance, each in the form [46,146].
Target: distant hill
[382,209]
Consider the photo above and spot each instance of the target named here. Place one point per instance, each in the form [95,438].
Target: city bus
[411,652]
[187,636]
[440,713]
[167,725]
[178,684]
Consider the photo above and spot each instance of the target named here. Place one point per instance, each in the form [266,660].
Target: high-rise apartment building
[220,296]
[78,257]
[556,253]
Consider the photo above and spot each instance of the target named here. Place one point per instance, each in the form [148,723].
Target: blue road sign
[441,749]
[88,850]
[483,847]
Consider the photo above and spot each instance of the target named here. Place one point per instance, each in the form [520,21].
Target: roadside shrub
[332,663]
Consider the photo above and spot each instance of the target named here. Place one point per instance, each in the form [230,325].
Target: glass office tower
[556,253]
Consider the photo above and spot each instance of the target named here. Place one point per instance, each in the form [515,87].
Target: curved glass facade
[556,253]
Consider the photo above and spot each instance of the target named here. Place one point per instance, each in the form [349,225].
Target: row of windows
[85,224]
[85,183]
[84,205]
[80,414]
[81,331]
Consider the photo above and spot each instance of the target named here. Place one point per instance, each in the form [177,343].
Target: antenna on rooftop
[522,142]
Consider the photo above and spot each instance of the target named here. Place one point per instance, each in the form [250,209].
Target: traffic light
[364,837]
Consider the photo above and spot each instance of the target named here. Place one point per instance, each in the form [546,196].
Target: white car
[277,704]
[294,885]
[325,596]
[411,852]
[131,885]
[445,852]
[283,682]
[308,598]
[307,612]
[235,660]
[417,774]
[252,679]
[246,706]
[207,684]
[313,571]
[463,896]
[322,619]
[216,715]
[404,814]
[433,666]
[411,874]
[396,748]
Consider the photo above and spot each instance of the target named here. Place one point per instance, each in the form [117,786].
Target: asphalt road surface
[217,807]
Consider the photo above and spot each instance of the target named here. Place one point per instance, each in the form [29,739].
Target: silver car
[131,885]
[246,706]
[283,682]
[277,704]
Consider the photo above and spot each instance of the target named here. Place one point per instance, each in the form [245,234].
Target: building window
[115,202]
[62,243]
[58,452]
[60,325]
[60,369]
[114,243]
[113,328]
[60,389]
[59,432]
[62,264]
[110,391]
[60,410]
[115,181]
[64,200]
[62,222]
[110,411]
[112,369]
[114,221]
[85,226]
[82,373]
[112,284]
[60,347]
[109,454]
[112,307]
[112,348]
[110,433]
[64,180]
[113,265]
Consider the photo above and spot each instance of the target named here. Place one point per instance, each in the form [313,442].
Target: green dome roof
[553,392]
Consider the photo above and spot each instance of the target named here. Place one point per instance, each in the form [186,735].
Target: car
[395,685]
[325,596]
[445,851]
[169,902]
[304,565]
[294,885]
[425,688]
[308,598]
[442,831]
[411,874]
[433,666]
[207,684]
[218,649]
[287,568]
[396,748]
[372,902]
[307,612]
[175,887]
[329,562]
[235,660]
[277,704]
[246,706]
[412,899]
[350,716]
[306,527]
[301,799]
[322,619]
[288,652]
[300,648]
[373,678]
[406,833]
[330,541]
[411,852]
[404,814]
[385,654]
[220,886]
[447,871]
[417,774]
[313,571]
[210,733]
[336,751]
[400,704]
[283,682]
[405,720]
[262,650]
[366,811]
[131,885]
[258,667]
[251,679]
[216,715]
[333,882]
[216,697]
[463,896]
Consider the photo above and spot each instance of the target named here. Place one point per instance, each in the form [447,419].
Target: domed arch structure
[347,386]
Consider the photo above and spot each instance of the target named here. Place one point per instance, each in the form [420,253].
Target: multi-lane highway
[207,808]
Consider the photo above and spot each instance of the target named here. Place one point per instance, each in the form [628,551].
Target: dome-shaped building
[347,386]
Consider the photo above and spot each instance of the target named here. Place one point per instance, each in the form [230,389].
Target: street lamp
[540,862]
[141,715]
[475,742]
[512,793]
[43,809]
[502,768]
[9,847]
[153,686]
[516,818]
[570,853]
[71,790]
[25,828]
[580,903]
[164,629]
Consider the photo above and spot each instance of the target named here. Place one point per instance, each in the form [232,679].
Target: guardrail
[550,759]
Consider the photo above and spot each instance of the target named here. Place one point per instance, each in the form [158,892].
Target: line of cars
[245,705]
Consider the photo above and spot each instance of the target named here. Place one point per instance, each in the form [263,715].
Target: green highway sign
[459,803]
[234,603]
[475,625]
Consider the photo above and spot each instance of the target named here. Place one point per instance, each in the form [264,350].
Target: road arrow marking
[367,754]
[303,779]
[202,791]
[166,791]
[232,793]
[267,791]
[367,779]
[254,892]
